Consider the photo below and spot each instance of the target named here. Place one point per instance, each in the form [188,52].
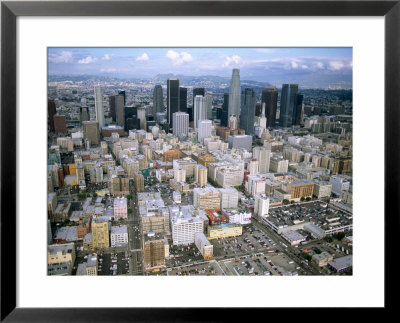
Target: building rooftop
[342,263]
[63,248]
[122,229]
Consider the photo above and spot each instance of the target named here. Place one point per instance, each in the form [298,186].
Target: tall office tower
[208,106]
[248,111]
[205,128]
[60,124]
[288,104]
[141,115]
[299,110]
[91,132]
[172,99]
[99,106]
[198,91]
[84,114]
[119,109]
[225,116]
[234,94]
[111,103]
[269,96]
[181,124]
[263,155]
[183,99]
[158,105]
[199,112]
[51,112]
[130,118]
[121,92]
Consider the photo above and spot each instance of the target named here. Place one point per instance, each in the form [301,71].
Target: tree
[292,202]
[66,221]
[302,198]
[285,201]
[94,194]
[130,211]
[308,198]
[129,197]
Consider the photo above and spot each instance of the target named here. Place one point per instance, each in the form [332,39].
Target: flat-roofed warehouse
[342,263]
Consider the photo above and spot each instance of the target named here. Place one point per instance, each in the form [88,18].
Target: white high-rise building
[261,205]
[180,124]
[99,105]
[234,94]
[263,155]
[205,128]
[199,112]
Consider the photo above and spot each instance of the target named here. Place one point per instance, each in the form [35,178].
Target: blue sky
[260,64]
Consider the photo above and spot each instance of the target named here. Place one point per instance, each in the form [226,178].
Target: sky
[272,65]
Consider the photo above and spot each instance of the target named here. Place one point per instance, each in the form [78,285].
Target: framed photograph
[250,146]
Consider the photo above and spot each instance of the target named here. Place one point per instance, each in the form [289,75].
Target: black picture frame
[10,10]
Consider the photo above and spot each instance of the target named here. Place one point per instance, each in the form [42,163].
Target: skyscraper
[130,118]
[112,114]
[270,98]
[99,107]
[208,106]
[248,111]
[158,105]
[183,99]
[199,110]
[181,124]
[51,112]
[288,104]
[118,102]
[198,91]
[121,92]
[234,94]
[205,127]
[172,99]
[299,110]
[225,116]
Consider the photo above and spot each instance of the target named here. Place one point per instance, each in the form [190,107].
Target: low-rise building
[119,236]
[204,246]
[293,237]
[322,259]
[60,259]
[224,231]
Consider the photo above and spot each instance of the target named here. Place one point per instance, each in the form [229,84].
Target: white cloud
[320,65]
[234,59]
[179,58]
[335,66]
[293,64]
[87,60]
[143,57]
[63,57]
[107,57]
[108,70]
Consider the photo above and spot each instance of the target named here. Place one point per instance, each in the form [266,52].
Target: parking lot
[251,241]
[113,264]
[261,264]
[206,268]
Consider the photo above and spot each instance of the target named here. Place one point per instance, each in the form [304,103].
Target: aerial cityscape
[199,161]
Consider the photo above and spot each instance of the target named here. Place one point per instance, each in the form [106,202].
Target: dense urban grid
[198,176]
